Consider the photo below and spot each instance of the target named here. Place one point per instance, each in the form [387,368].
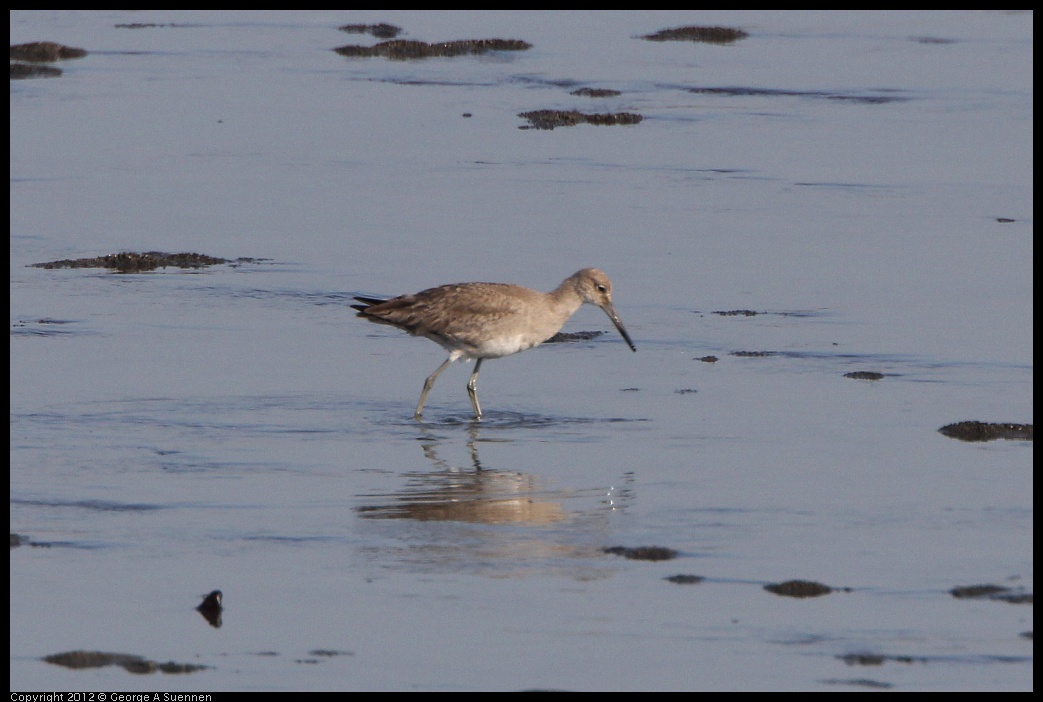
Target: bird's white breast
[500,346]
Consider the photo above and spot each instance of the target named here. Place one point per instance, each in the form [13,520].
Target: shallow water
[237,428]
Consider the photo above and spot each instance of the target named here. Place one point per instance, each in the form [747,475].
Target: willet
[490,320]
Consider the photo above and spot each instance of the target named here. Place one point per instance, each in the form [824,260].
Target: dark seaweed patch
[708,35]
[573,336]
[380,31]
[987,431]
[864,375]
[149,25]
[132,664]
[684,579]
[798,588]
[21,71]
[643,553]
[549,119]
[44,52]
[991,592]
[329,652]
[595,92]
[130,262]
[860,682]
[740,91]
[933,40]
[877,659]
[404,49]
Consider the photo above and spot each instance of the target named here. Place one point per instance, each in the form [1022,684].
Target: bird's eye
[601,288]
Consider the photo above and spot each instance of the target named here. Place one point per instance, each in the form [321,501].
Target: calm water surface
[860,180]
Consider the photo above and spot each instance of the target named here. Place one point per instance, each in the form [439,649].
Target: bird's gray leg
[472,390]
[428,384]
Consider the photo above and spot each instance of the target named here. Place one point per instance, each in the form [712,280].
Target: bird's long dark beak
[611,312]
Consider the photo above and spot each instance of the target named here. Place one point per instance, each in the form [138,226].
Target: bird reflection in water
[500,522]
[477,495]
